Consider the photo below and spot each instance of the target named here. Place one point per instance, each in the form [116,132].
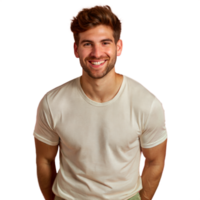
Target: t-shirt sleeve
[44,124]
[154,132]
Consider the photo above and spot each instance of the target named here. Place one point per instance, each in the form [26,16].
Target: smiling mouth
[96,61]
[97,65]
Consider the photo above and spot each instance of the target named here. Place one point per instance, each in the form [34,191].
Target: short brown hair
[92,17]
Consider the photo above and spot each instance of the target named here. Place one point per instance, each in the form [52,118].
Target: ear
[76,50]
[119,47]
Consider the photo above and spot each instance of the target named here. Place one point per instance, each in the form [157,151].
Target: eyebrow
[104,40]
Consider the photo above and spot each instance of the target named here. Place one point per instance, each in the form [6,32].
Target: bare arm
[152,172]
[46,170]
[46,175]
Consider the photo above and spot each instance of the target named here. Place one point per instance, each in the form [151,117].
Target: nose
[96,51]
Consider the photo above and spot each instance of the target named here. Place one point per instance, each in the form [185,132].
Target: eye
[86,44]
[106,43]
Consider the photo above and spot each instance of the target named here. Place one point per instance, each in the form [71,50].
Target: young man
[101,121]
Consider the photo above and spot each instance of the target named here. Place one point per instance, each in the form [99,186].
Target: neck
[103,89]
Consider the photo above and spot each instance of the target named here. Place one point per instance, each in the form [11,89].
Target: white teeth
[97,63]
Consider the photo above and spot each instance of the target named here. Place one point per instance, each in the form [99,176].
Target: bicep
[45,153]
[156,155]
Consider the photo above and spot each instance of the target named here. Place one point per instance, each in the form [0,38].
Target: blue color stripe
[161,52]
[160,62]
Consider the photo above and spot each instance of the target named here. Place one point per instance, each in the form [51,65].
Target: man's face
[97,51]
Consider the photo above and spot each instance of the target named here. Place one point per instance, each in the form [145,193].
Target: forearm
[151,176]
[46,175]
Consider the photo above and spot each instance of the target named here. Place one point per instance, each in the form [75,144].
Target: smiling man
[98,52]
[101,121]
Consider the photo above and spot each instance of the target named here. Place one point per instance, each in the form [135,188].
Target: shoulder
[58,96]
[140,96]
[62,89]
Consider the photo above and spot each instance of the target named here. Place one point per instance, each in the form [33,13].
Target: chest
[85,127]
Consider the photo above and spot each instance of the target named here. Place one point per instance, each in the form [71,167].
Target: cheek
[84,54]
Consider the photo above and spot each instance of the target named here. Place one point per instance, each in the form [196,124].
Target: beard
[97,75]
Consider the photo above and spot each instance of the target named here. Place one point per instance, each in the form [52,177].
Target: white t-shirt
[99,142]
